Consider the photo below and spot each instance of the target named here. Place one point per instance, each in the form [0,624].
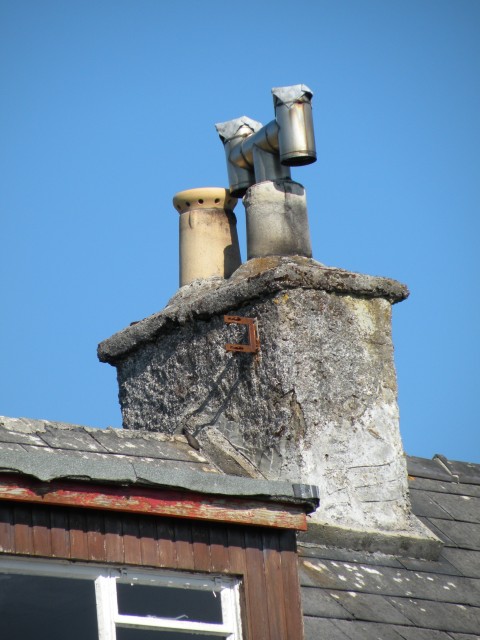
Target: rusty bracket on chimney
[253,345]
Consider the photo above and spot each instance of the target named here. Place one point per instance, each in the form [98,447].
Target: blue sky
[108,109]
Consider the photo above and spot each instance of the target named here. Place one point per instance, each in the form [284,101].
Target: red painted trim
[160,502]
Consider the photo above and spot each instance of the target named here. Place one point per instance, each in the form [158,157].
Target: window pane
[169,602]
[35,607]
[149,634]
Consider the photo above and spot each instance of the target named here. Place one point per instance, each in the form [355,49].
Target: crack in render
[379,500]
[220,410]
[376,484]
[372,466]
[215,388]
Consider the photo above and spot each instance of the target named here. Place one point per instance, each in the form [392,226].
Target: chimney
[208,234]
[314,400]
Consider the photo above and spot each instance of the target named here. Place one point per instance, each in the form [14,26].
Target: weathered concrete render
[256,278]
[317,405]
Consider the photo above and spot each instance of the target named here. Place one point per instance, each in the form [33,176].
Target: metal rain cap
[230,129]
[292,94]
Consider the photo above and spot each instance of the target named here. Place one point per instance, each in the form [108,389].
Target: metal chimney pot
[257,153]
[293,113]
[240,170]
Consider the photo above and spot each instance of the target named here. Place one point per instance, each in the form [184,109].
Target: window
[85,602]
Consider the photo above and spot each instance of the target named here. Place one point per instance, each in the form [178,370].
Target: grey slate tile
[42,433]
[319,603]
[329,629]
[310,550]
[432,469]
[76,439]
[22,425]
[414,633]
[171,472]
[48,464]
[441,565]
[431,524]
[6,435]
[143,445]
[463,534]
[466,561]
[322,629]
[388,581]
[439,615]
[423,504]
[346,576]
[445,487]
[5,449]
[317,573]
[463,508]
[359,630]
[368,607]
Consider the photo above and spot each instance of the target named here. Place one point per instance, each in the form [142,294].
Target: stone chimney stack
[317,402]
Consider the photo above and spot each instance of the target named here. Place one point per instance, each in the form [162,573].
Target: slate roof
[358,596]
[121,456]
[346,595]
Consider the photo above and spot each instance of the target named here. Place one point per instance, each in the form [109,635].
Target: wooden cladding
[164,502]
[264,558]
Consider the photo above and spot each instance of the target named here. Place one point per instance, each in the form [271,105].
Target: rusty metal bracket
[253,345]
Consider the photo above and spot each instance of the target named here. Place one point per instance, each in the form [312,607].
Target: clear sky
[107,109]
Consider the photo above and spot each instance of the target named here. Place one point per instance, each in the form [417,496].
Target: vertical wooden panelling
[238,567]
[274,581]
[7,544]
[264,559]
[201,547]
[96,536]
[113,538]
[148,542]
[236,550]
[184,544]
[255,587]
[60,533]
[42,533]
[131,540]
[23,530]
[218,548]
[292,603]
[166,545]
[78,535]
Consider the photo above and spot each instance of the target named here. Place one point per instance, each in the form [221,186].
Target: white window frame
[106,579]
